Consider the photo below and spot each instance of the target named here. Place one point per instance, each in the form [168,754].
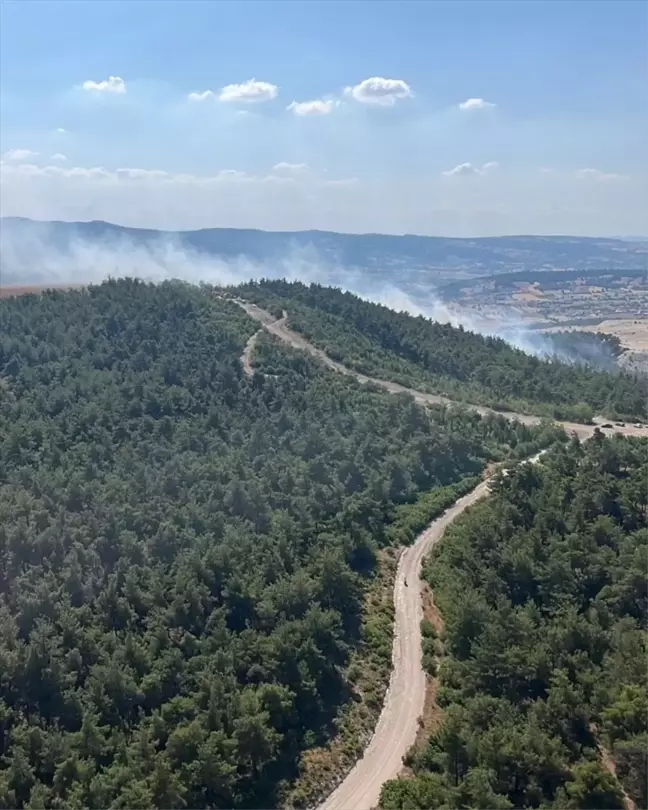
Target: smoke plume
[34,254]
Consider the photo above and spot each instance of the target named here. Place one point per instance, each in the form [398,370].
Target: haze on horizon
[447,118]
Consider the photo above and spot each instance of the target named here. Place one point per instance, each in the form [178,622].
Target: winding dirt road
[397,726]
[398,722]
[297,341]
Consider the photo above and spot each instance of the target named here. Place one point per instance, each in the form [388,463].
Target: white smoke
[31,256]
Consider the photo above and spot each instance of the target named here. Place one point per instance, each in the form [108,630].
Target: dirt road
[246,357]
[297,341]
[398,723]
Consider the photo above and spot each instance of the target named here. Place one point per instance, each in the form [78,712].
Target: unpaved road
[297,341]
[398,722]
[246,357]
[397,726]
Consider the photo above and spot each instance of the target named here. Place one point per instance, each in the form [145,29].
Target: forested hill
[185,551]
[542,669]
[444,359]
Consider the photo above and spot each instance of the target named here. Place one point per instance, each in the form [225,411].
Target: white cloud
[289,167]
[475,104]
[318,106]
[379,91]
[249,92]
[20,154]
[60,129]
[462,169]
[58,156]
[113,84]
[598,175]
[201,96]
[468,169]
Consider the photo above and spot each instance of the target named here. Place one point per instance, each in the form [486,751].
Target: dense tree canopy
[543,588]
[441,358]
[184,549]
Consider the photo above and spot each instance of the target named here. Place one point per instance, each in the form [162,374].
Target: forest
[542,661]
[440,358]
[184,550]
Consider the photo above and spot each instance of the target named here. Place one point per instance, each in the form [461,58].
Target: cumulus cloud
[58,156]
[249,92]
[318,106]
[20,154]
[379,91]
[113,84]
[468,169]
[475,104]
[598,175]
[201,96]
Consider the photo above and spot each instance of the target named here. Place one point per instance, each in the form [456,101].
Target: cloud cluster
[376,91]
[113,84]
[476,104]
[468,169]
[379,91]
[282,173]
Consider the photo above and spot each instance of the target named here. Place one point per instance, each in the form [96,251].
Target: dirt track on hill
[398,722]
[397,726]
[297,341]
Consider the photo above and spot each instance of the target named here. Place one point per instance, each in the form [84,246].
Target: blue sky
[454,118]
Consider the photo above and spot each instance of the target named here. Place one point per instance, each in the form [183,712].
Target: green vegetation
[188,557]
[543,590]
[443,359]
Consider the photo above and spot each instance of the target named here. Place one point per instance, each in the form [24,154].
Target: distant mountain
[29,250]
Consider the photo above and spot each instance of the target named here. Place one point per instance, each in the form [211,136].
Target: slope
[185,549]
[543,593]
[441,359]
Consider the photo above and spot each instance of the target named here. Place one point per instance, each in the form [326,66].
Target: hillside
[189,556]
[443,359]
[407,259]
[542,680]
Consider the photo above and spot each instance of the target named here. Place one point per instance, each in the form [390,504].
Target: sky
[441,118]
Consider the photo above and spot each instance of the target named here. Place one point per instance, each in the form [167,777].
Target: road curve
[398,722]
[297,341]
[397,726]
